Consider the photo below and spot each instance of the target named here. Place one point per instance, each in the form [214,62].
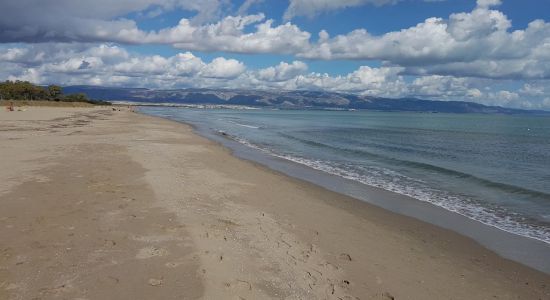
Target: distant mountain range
[287,99]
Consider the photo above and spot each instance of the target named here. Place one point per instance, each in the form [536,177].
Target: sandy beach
[103,204]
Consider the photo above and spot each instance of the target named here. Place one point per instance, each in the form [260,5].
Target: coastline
[205,224]
[529,251]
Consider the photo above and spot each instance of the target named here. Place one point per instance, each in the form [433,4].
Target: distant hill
[287,99]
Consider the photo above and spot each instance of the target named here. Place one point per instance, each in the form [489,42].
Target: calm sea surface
[491,168]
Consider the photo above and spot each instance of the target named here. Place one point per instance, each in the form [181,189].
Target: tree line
[24,90]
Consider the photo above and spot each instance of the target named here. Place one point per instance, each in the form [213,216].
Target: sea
[491,169]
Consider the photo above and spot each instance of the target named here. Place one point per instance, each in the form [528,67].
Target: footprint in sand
[155,282]
[151,251]
[172,264]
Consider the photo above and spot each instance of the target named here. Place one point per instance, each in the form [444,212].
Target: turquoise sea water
[494,169]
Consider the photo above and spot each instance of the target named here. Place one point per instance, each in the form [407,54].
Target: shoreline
[528,251]
[157,211]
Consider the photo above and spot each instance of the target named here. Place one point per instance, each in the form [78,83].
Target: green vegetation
[24,90]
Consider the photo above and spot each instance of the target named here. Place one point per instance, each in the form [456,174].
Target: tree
[55,92]
[24,90]
[76,98]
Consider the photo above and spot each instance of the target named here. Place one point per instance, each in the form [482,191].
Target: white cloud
[311,8]
[531,89]
[464,37]
[283,71]
[477,44]
[223,68]
[383,82]
[243,9]
[502,98]
[488,3]
[31,75]
[114,66]
[13,54]
[443,87]
[228,35]
[89,21]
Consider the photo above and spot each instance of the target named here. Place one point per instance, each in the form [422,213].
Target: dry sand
[23,104]
[102,204]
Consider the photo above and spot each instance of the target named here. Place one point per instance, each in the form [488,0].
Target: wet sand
[103,204]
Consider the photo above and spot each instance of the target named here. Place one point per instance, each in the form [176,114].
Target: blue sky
[488,51]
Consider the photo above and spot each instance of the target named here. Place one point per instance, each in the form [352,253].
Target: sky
[494,52]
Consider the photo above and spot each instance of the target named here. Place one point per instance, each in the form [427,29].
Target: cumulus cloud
[477,43]
[383,82]
[444,87]
[283,71]
[228,35]
[488,3]
[531,89]
[88,21]
[469,55]
[110,65]
[223,68]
